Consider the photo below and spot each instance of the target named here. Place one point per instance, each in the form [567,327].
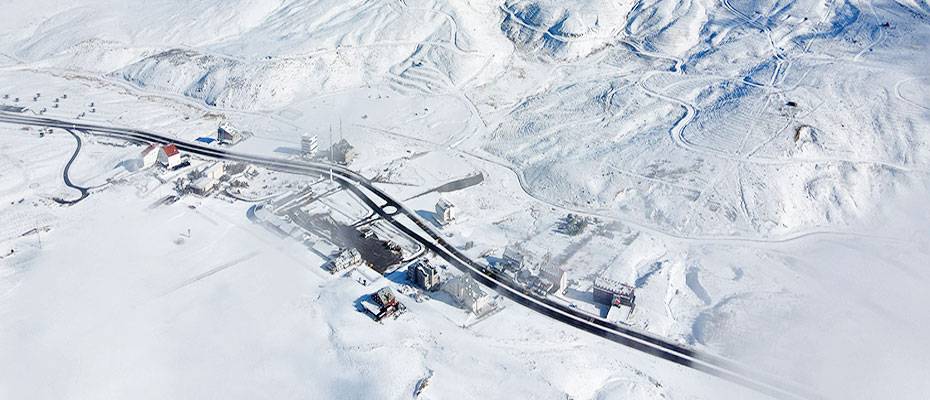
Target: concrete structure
[556,276]
[513,257]
[309,145]
[465,290]
[203,186]
[343,152]
[347,259]
[424,274]
[445,211]
[150,155]
[274,222]
[610,292]
[169,156]
[228,134]
[215,171]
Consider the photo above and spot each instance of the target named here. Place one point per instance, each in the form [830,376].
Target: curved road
[85,191]
[422,232]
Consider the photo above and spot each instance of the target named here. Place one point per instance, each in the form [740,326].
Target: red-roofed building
[169,156]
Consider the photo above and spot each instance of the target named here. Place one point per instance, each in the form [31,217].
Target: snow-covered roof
[150,148]
[444,203]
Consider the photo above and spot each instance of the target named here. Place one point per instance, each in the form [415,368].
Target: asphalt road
[66,174]
[422,232]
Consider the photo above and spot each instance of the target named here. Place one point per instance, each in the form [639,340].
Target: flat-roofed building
[445,211]
[611,292]
[466,291]
[424,274]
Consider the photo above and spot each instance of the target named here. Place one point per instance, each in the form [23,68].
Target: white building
[468,293]
[513,257]
[169,156]
[285,228]
[208,178]
[215,171]
[228,134]
[309,144]
[445,211]
[203,185]
[555,275]
[150,155]
[345,260]
[424,274]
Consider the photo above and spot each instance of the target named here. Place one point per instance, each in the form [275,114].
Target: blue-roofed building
[206,140]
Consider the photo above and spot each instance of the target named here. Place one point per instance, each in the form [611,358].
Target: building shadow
[399,276]
[130,165]
[291,151]
[429,216]
[358,306]
[493,260]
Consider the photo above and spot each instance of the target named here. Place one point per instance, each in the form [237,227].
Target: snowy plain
[760,170]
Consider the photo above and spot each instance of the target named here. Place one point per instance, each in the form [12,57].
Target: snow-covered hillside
[739,155]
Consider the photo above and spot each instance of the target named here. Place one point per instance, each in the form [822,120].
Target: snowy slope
[740,155]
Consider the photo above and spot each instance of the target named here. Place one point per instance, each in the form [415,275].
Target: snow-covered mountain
[693,123]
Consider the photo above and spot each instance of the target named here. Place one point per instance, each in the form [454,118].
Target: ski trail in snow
[209,273]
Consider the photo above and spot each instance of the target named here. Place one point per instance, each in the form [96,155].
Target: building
[228,134]
[347,259]
[424,274]
[445,211]
[513,257]
[169,156]
[308,145]
[383,304]
[610,292]
[150,155]
[203,186]
[208,178]
[466,292]
[205,140]
[215,171]
[272,221]
[556,276]
[342,152]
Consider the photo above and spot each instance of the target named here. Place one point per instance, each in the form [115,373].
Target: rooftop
[171,150]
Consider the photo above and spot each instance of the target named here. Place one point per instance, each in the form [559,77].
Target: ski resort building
[611,292]
[347,259]
[383,304]
[203,186]
[445,211]
[465,290]
[308,145]
[150,155]
[343,152]
[208,178]
[556,276]
[228,134]
[169,156]
[424,274]
[513,257]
